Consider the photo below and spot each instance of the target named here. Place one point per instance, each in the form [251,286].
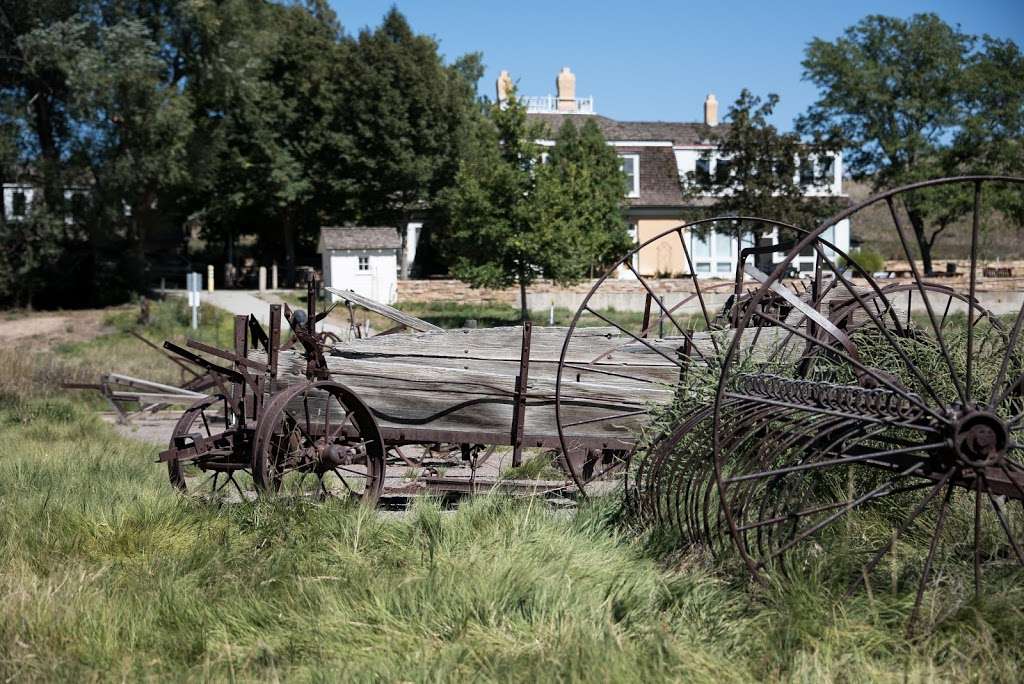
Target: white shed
[363,259]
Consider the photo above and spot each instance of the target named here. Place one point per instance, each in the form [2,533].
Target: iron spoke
[927,303]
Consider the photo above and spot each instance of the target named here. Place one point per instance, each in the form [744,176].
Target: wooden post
[263,278]
[241,350]
[647,316]
[275,339]
[519,415]
[273,276]
[209,278]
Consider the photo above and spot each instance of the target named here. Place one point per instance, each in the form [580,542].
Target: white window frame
[362,264]
[635,191]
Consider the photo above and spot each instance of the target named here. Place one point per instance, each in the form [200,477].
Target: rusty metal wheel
[319,440]
[219,474]
[874,427]
[609,378]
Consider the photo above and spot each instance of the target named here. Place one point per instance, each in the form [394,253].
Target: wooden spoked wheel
[219,474]
[319,440]
[615,366]
[873,420]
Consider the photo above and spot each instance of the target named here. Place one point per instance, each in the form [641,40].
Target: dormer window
[631,167]
[703,169]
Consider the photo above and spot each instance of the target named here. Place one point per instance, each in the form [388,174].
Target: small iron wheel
[219,473]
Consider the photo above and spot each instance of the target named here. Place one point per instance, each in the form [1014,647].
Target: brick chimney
[711,110]
[565,82]
[502,86]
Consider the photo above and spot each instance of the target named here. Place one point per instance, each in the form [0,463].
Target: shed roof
[359,237]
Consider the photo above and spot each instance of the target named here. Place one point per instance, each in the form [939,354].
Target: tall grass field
[107,574]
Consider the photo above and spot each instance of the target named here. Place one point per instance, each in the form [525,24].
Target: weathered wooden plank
[503,344]
[384,310]
[423,395]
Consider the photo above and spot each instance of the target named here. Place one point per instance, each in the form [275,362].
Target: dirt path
[45,330]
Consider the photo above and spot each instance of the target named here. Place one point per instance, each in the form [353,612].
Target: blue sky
[656,60]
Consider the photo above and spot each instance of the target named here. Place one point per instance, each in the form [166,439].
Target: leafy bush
[868,259]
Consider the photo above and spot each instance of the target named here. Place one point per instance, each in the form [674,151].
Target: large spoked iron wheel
[614,366]
[882,428]
[319,440]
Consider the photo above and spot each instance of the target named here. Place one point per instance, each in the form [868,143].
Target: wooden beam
[384,310]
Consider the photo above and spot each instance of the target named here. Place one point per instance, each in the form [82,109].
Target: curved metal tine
[859,458]
[876,559]
[202,414]
[1004,523]
[640,339]
[1004,366]
[696,287]
[927,303]
[821,509]
[932,546]
[803,534]
[880,325]
[973,291]
[856,364]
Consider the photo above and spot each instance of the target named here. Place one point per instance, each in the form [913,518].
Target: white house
[363,259]
[656,156]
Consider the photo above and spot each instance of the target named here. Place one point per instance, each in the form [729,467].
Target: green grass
[107,574]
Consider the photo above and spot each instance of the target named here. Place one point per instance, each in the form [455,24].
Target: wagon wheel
[672,483]
[608,378]
[909,428]
[220,473]
[319,439]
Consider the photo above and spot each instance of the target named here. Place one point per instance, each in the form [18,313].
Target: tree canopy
[237,117]
[911,99]
[511,218]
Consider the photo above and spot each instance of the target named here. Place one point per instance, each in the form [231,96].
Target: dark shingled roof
[659,177]
[676,132]
[359,237]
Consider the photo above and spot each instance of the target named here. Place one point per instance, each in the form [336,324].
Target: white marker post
[194,283]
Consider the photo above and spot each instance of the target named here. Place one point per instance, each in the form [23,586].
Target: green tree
[893,94]
[991,137]
[405,114]
[580,198]
[758,169]
[512,219]
[279,171]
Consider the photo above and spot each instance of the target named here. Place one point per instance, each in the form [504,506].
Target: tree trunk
[917,223]
[403,234]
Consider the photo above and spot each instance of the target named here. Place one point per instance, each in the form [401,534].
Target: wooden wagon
[422,411]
